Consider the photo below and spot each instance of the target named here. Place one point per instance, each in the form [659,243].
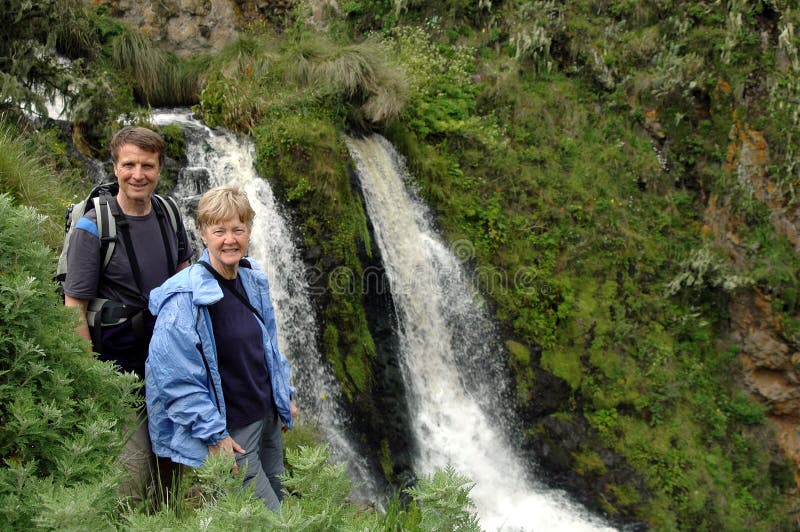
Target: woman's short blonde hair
[224,203]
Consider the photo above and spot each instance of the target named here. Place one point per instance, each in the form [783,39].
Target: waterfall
[446,348]
[218,157]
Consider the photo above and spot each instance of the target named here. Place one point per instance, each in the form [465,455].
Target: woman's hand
[293,408]
[227,447]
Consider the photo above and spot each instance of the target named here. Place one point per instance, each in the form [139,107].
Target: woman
[215,379]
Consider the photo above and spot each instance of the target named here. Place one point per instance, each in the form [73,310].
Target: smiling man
[147,252]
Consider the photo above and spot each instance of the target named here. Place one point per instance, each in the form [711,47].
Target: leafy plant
[59,406]
[316,500]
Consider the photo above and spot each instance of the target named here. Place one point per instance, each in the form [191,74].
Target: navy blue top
[242,366]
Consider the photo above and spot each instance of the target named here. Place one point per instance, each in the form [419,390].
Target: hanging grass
[27,179]
[360,73]
[159,77]
[253,77]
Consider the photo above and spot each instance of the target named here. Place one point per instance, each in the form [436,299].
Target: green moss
[302,435]
[520,362]
[305,158]
[588,462]
[176,141]
[357,372]
[520,355]
[564,363]
[624,495]
[385,459]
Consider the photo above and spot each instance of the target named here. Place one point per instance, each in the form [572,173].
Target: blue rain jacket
[185,406]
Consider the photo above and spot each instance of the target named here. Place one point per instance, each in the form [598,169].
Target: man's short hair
[141,137]
[224,203]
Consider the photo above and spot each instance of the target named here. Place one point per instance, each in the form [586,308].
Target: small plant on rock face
[704,270]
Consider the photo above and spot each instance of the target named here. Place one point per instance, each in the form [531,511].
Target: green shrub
[59,406]
[316,500]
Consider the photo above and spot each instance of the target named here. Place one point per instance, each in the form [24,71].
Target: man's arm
[82,304]
[182,265]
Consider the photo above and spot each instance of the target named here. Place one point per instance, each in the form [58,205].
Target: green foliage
[443,499]
[316,500]
[581,226]
[159,78]
[58,405]
[76,508]
[31,35]
[258,75]
[442,97]
[35,34]
[572,145]
[27,175]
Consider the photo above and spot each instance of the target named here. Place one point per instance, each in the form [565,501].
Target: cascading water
[446,344]
[217,157]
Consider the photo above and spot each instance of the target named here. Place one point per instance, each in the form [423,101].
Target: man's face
[137,173]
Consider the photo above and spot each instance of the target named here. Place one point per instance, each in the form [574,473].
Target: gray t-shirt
[83,280]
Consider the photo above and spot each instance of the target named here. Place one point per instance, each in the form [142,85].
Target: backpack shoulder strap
[173,212]
[106,228]
[122,226]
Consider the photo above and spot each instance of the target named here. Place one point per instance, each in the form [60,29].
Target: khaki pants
[137,460]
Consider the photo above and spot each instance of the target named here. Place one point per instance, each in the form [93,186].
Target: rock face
[188,27]
[769,361]
[185,27]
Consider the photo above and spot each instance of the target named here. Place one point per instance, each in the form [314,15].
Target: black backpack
[102,200]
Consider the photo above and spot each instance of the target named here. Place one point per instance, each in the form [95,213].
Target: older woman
[215,379]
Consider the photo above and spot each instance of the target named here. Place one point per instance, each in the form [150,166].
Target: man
[147,252]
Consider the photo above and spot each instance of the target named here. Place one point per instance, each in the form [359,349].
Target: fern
[444,501]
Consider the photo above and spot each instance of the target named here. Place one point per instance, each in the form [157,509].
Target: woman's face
[227,243]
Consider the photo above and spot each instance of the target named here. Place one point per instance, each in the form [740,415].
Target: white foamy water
[445,342]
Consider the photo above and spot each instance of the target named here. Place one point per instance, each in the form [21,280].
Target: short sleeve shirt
[84,278]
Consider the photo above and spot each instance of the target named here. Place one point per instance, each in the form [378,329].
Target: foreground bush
[317,500]
[59,406]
